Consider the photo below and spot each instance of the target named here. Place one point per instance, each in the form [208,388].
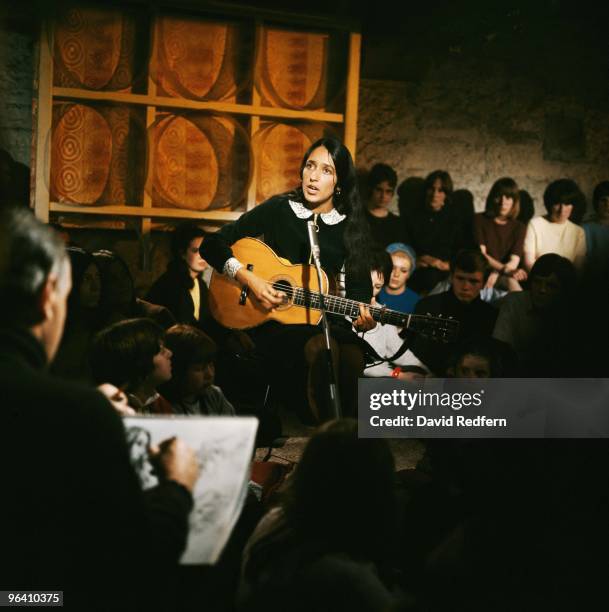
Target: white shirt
[565,239]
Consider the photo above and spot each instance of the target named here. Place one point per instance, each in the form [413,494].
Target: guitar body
[234,308]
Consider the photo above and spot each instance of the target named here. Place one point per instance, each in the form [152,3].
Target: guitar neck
[350,308]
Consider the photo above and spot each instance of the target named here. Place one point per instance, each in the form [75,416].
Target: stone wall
[486,90]
[480,124]
[16,76]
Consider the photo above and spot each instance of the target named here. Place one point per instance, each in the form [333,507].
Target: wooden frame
[47,93]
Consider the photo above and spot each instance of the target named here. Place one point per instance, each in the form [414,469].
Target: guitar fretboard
[344,306]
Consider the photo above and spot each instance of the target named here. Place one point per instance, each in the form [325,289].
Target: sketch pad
[224,446]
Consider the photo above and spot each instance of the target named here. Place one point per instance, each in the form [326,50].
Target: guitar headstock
[439,328]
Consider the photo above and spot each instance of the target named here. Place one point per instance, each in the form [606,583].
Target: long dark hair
[80,260]
[565,191]
[117,287]
[346,199]
[181,238]
[123,353]
[447,185]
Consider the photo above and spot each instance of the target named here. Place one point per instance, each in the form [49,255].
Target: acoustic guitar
[233,307]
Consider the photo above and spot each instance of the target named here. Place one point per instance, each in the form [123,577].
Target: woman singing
[327,195]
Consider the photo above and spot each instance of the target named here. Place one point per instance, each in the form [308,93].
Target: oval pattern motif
[88,43]
[192,54]
[81,153]
[280,151]
[294,68]
[186,166]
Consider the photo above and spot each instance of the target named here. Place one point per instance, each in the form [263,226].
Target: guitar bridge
[245,290]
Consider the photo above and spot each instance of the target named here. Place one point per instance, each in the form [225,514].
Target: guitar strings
[305,297]
[302,296]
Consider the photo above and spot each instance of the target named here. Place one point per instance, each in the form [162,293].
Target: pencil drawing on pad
[224,447]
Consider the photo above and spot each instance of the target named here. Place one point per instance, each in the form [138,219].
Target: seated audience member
[319,550]
[384,225]
[469,271]
[500,235]
[395,294]
[481,358]
[118,300]
[597,236]
[76,519]
[191,389]
[434,230]
[385,339]
[132,355]
[81,318]
[534,322]
[181,288]
[555,233]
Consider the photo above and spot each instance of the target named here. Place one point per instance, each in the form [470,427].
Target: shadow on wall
[527,207]
[14,181]
[411,195]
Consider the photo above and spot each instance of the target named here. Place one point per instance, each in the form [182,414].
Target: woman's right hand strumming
[263,291]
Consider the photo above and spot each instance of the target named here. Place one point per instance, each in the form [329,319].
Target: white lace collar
[330,218]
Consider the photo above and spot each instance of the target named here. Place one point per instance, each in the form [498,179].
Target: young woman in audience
[181,288]
[191,389]
[82,317]
[323,546]
[555,232]
[132,356]
[501,236]
[384,225]
[328,196]
[395,294]
[385,339]
[118,300]
[435,232]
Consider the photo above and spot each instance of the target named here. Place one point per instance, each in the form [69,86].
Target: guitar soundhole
[283,284]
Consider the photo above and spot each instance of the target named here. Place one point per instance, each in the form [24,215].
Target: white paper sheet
[224,446]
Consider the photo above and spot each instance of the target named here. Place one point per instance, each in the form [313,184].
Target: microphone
[312,230]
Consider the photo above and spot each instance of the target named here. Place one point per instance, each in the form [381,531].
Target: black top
[172,290]
[385,230]
[286,234]
[73,516]
[477,318]
[438,234]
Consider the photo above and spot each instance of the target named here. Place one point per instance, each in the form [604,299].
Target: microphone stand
[333,387]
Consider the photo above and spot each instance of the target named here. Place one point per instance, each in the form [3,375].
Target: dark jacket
[73,516]
[386,230]
[438,234]
[172,290]
[476,319]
